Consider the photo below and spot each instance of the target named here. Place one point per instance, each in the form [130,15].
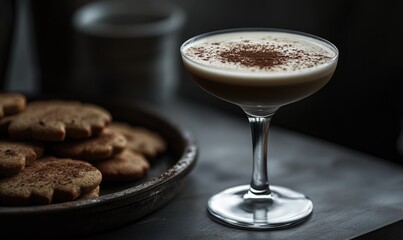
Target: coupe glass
[257,82]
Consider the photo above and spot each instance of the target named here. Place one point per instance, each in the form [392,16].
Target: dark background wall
[361,107]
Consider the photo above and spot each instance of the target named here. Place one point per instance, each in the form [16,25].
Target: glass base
[284,207]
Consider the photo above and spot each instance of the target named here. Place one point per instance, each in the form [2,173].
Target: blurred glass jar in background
[127,50]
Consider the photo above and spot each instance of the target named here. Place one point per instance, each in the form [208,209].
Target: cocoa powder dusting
[267,56]
[263,57]
[257,55]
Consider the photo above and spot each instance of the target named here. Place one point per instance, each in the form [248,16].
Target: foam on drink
[260,67]
[259,53]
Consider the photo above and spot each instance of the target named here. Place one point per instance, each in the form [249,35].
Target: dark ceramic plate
[118,204]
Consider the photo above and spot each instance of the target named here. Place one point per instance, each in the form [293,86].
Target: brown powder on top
[248,55]
[261,56]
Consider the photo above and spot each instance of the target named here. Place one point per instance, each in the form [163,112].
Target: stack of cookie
[56,151]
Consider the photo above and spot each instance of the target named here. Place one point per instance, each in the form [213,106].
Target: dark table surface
[355,195]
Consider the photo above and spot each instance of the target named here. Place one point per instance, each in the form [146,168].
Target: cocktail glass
[260,70]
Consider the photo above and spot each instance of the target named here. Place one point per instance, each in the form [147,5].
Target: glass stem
[259,186]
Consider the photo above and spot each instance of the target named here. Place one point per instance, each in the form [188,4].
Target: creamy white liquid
[297,65]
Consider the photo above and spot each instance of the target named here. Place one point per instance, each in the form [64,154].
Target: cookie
[124,166]
[56,120]
[49,180]
[103,146]
[93,194]
[11,103]
[140,139]
[15,155]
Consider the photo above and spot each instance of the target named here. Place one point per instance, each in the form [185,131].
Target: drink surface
[285,66]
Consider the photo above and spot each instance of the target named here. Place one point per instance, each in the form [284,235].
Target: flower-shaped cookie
[11,103]
[107,143]
[49,180]
[141,140]
[55,120]
[15,155]
[124,166]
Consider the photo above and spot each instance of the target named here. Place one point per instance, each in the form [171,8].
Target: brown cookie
[124,166]
[93,194]
[55,120]
[11,103]
[15,155]
[142,140]
[49,180]
[103,146]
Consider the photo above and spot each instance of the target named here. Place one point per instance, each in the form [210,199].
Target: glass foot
[284,207]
